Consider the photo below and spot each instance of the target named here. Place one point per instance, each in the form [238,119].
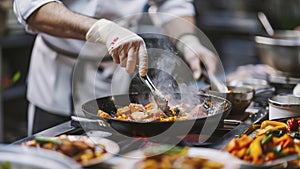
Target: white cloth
[49,79]
[296,90]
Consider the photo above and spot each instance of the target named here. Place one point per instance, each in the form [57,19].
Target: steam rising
[171,75]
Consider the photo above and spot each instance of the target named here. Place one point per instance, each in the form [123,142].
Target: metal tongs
[159,98]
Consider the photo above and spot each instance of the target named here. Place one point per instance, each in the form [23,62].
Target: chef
[63,27]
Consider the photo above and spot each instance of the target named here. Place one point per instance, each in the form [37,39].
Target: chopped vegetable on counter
[273,140]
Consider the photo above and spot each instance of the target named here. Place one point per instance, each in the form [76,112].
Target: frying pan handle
[90,123]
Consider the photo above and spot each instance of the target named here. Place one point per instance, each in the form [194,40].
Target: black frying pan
[218,111]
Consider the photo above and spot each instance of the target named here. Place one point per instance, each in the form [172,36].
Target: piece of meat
[153,114]
[123,110]
[138,116]
[136,107]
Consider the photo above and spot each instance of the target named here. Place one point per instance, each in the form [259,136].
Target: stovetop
[218,139]
[256,113]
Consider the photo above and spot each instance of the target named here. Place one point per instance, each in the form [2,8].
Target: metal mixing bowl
[281,51]
[240,98]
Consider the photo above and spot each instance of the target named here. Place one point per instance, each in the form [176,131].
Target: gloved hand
[123,45]
[195,53]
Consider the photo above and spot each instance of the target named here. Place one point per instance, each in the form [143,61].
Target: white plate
[129,160]
[22,157]
[111,147]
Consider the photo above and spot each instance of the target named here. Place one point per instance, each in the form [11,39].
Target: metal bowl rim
[277,42]
[275,102]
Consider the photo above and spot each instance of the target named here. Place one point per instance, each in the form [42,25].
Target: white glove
[123,45]
[195,53]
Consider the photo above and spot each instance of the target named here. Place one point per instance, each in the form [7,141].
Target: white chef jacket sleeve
[24,8]
[175,8]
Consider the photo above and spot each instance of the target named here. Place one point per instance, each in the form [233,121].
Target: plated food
[268,142]
[85,150]
[23,157]
[150,112]
[166,157]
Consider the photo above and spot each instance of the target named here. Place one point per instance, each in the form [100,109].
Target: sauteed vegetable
[273,140]
[150,112]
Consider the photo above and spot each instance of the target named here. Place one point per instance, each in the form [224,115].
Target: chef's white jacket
[50,73]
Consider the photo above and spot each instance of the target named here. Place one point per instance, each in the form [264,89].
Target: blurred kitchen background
[230,25]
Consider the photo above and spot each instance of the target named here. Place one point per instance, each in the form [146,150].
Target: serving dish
[273,143]
[215,159]
[21,157]
[85,150]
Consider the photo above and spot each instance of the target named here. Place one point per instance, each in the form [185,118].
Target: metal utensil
[265,22]
[159,98]
[84,119]
[221,87]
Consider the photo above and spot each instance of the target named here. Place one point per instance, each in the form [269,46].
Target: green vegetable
[5,165]
[266,139]
[276,133]
[46,140]
[174,150]
[273,133]
[277,151]
[164,149]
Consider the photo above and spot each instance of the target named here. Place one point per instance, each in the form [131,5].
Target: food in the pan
[273,140]
[175,158]
[80,150]
[150,112]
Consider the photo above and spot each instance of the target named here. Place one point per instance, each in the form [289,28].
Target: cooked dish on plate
[177,157]
[85,150]
[150,112]
[168,157]
[271,140]
[23,157]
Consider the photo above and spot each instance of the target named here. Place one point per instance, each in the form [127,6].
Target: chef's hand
[194,53]
[123,45]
